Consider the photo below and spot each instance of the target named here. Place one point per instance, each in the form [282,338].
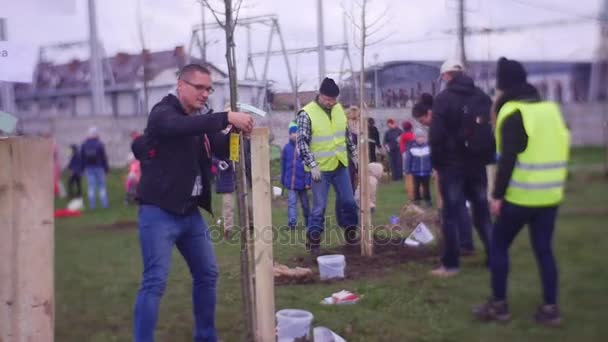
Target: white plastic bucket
[293,324]
[331,266]
[422,234]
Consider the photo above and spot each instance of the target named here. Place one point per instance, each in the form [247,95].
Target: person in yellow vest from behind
[533,145]
[324,144]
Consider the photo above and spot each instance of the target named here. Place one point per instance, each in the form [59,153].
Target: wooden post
[26,240]
[263,237]
[365,218]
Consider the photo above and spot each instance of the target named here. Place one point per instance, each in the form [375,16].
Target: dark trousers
[372,152]
[476,193]
[455,187]
[74,182]
[541,223]
[424,183]
[396,164]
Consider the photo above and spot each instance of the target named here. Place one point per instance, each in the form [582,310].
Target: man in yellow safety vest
[324,144]
[533,145]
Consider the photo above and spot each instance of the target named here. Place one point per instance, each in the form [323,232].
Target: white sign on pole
[55,7]
[17,62]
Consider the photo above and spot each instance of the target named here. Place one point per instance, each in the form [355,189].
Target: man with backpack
[462,144]
[95,162]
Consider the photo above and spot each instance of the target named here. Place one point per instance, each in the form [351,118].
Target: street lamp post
[376,94]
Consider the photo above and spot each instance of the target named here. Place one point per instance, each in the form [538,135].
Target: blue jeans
[451,186]
[346,207]
[476,192]
[292,206]
[96,182]
[159,231]
[541,223]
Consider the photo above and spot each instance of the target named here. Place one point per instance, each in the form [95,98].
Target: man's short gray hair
[189,69]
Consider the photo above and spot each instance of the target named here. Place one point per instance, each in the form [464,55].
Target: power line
[558,10]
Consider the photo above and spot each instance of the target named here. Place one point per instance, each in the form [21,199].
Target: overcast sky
[168,23]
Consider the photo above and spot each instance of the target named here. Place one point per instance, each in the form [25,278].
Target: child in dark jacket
[294,178]
[418,164]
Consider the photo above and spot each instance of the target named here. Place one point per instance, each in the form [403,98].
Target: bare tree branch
[351,18]
[236,14]
[215,13]
[379,19]
[380,40]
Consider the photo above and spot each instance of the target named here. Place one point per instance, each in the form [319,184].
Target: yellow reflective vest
[541,169]
[328,139]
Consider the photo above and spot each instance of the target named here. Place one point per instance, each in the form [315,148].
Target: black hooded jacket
[173,150]
[447,143]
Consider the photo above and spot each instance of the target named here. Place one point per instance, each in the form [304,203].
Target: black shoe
[313,244]
[493,310]
[548,315]
[350,235]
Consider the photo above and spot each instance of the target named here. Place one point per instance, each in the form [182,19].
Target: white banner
[17,62]
[12,8]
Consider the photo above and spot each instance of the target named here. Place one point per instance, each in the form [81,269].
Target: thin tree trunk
[241,188]
[365,215]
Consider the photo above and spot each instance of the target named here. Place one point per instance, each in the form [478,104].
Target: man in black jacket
[175,156]
[462,174]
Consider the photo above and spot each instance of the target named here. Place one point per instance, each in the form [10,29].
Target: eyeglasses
[200,87]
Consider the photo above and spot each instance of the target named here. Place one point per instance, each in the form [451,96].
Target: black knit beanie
[329,88]
[509,73]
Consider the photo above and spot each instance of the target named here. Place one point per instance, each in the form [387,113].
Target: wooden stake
[367,241]
[26,240]
[263,237]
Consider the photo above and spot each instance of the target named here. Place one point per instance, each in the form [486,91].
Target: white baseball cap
[92,131]
[451,65]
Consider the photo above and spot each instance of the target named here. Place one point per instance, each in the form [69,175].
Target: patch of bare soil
[388,252]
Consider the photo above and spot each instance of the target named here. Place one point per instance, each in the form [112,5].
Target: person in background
[376,171]
[95,162]
[225,175]
[418,165]
[132,179]
[533,144]
[75,168]
[404,140]
[374,139]
[325,147]
[462,144]
[353,114]
[406,137]
[295,179]
[391,145]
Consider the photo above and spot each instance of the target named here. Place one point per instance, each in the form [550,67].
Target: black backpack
[476,131]
[90,154]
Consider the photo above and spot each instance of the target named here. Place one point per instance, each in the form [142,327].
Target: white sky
[168,23]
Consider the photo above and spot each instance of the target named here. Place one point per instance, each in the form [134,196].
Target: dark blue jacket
[418,159]
[293,175]
[225,181]
[93,154]
[75,165]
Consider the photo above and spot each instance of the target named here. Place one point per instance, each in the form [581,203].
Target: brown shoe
[443,272]
[548,315]
[493,310]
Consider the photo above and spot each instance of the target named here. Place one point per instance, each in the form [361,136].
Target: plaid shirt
[305,134]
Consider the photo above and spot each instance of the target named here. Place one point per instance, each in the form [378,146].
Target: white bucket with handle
[331,266]
[293,324]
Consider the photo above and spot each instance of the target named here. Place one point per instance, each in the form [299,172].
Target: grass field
[98,268]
